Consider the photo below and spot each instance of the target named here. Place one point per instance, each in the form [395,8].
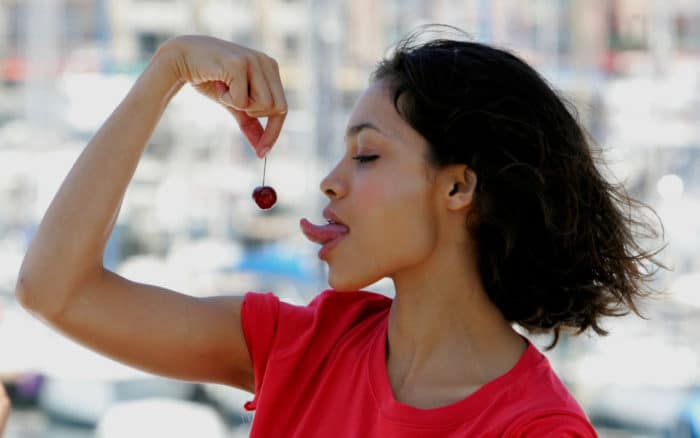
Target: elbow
[48,295]
[35,300]
[22,294]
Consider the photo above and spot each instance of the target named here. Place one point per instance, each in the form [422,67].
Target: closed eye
[365,158]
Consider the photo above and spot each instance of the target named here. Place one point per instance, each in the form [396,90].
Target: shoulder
[545,406]
[362,301]
[552,423]
[328,302]
[541,387]
[326,317]
[335,312]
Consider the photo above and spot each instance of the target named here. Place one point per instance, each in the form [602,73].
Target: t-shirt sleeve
[283,337]
[271,326]
[555,425]
[259,314]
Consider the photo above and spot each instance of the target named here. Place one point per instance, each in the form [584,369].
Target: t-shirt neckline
[446,415]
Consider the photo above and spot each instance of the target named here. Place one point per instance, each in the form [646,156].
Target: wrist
[162,70]
[167,58]
[171,55]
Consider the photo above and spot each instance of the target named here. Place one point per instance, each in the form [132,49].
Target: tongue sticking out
[322,233]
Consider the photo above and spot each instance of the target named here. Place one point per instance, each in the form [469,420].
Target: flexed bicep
[161,331]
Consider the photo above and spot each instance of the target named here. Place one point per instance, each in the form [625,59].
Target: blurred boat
[647,409]
[688,422]
[159,417]
[86,401]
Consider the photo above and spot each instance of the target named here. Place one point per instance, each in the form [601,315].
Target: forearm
[70,242]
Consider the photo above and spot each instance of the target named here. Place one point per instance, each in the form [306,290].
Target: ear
[460,184]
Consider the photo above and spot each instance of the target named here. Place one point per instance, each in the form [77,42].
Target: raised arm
[62,279]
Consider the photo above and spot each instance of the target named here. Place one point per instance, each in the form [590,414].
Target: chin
[348,283]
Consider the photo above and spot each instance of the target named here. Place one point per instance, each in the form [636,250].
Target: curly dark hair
[558,245]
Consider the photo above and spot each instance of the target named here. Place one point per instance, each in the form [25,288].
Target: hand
[246,82]
[4,409]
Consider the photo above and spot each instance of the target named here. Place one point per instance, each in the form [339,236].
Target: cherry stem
[264,167]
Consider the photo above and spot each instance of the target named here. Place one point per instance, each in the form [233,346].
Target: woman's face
[387,203]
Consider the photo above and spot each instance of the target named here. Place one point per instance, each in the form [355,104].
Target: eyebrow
[354,130]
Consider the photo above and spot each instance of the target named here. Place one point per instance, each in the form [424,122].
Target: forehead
[375,106]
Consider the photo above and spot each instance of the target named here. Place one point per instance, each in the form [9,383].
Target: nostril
[332,188]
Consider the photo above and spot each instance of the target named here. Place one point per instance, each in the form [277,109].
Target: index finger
[275,121]
[272,131]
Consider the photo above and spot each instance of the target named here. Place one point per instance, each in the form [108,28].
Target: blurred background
[631,67]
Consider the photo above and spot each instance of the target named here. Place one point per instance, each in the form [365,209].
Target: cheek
[399,222]
[408,236]
[371,201]
[394,230]
[385,193]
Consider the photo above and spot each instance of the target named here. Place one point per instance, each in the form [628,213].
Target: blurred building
[581,37]
[630,67]
[592,50]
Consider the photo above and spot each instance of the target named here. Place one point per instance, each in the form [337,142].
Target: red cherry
[264,196]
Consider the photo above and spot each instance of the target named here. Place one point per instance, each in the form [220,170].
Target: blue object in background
[689,421]
[113,251]
[278,260]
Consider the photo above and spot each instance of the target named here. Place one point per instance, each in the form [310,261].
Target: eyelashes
[365,158]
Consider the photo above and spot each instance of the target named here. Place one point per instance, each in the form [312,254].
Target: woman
[465,180]
[5,406]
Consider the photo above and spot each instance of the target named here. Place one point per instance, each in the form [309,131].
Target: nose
[331,186]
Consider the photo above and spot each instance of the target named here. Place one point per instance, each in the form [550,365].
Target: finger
[237,96]
[272,75]
[272,131]
[261,113]
[259,92]
[275,120]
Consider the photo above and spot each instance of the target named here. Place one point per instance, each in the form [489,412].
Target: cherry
[265,196]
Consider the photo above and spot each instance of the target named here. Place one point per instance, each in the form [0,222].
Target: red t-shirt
[320,371]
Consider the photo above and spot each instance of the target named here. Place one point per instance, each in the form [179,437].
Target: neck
[444,330]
